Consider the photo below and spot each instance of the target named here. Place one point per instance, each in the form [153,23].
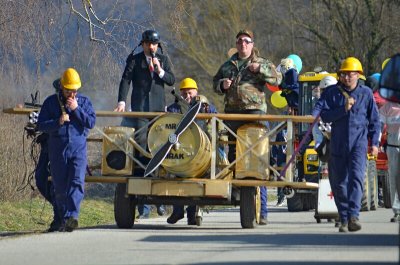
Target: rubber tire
[370,193]
[387,200]
[124,208]
[295,204]
[373,184]
[248,207]
[309,201]
[199,220]
[199,216]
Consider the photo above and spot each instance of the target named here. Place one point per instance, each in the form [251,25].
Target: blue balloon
[377,76]
[297,61]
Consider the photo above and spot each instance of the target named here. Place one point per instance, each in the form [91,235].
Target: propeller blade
[188,118]
[157,159]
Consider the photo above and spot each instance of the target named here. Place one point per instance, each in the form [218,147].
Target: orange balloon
[272,88]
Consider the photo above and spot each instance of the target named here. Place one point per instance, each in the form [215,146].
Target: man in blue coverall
[67,117]
[351,108]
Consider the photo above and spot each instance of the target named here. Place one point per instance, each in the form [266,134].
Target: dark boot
[354,224]
[343,228]
[71,224]
[191,215]
[54,226]
[395,218]
[177,214]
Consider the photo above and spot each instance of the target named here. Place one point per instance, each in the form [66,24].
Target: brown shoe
[354,224]
[343,228]
[71,224]
[395,218]
[263,221]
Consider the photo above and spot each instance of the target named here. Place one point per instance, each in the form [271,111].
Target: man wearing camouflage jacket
[242,79]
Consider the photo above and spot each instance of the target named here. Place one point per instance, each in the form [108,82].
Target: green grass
[36,215]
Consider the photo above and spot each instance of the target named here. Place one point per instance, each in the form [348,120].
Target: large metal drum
[191,157]
[254,164]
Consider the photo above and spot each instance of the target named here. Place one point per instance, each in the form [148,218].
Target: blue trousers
[45,186]
[347,180]
[68,167]
[264,199]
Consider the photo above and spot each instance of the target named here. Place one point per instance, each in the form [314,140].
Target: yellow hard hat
[385,62]
[70,79]
[351,64]
[188,83]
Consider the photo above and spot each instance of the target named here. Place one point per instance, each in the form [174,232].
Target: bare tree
[359,28]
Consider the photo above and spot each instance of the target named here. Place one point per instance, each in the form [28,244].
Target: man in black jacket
[148,71]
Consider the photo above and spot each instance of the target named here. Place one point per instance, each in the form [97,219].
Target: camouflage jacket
[247,91]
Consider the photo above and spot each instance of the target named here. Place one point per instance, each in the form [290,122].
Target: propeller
[173,138]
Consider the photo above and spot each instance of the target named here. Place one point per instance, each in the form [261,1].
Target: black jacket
[147,92]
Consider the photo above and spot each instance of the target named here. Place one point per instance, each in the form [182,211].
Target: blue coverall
[349,143]
[67,150]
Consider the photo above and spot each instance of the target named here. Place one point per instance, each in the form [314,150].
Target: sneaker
[54,226]
[395,218]
[343,228]
[175,218]
[281,201]
[143,216]
[71,224]
[263,221]
[354,224]
[161,210]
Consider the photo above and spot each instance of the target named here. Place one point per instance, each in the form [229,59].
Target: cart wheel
[387,197]
[199,216]
[373,184]
[369,199]
[295,204]
[248,207]
[199,220]
[124,208]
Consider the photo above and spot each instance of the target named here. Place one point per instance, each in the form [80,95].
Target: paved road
[289,238]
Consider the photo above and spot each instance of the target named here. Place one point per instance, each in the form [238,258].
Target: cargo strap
[61,105]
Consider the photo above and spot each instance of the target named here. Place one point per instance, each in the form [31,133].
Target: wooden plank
[235,182]
[223,116]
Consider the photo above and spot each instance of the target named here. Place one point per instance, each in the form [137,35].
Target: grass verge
[35,215]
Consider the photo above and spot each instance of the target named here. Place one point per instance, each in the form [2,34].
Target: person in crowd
[242,80]
[390,115]
[351,109]
[42,172]
[148,72]
[279,156]
[188,91]
[67,117]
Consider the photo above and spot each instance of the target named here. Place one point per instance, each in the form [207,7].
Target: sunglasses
[246,40]
[348,74]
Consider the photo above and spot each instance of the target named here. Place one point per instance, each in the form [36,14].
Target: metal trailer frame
[218,189]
